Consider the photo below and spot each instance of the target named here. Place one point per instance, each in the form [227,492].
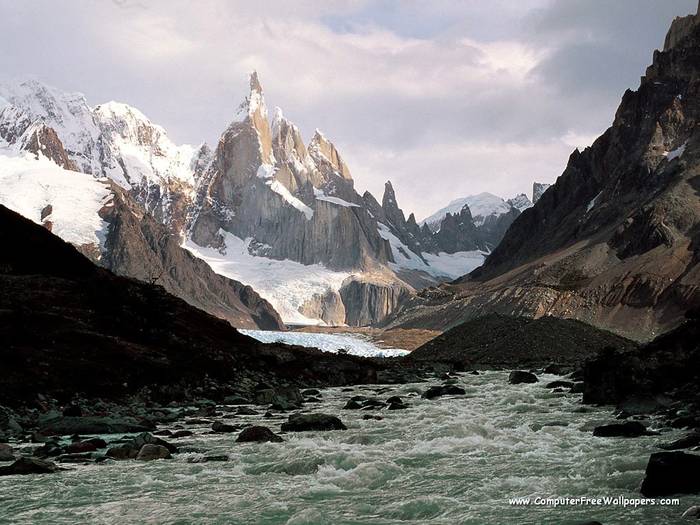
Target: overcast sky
[444,98]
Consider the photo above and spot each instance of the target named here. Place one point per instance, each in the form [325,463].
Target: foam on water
[444,461]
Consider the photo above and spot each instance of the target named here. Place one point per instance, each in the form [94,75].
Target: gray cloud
[444,98]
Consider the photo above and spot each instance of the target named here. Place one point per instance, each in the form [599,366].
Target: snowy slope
[285,284]
[112,139]
[441,266]
[28,186]
[354,345]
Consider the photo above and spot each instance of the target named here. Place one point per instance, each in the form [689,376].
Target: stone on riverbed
[671,473]
[560,384]
[517,377]
[93,425]
[443,390]
[223,428]
[304,422]
[131,449]
[258,434]
[691,440]
[627,429]
[149,452]
[6,452]
[26,465]
[236,400]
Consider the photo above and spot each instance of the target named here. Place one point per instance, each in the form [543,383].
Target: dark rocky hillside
[665,369]
[69,327]
[503,341]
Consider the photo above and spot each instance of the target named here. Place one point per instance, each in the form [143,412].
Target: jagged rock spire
[254,111]
[324,152]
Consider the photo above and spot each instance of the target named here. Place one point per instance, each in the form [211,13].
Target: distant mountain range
[263,209]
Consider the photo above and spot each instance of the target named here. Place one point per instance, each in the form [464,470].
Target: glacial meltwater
[451,460]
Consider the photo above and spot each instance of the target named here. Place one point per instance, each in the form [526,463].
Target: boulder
[671,473]
[67,425]
[258,434]
[394,400]
[283,396]
[148,439]
[80,447]
[352,405]
[443,390]
[223,428]
[319,422]
[692,513]
[236,400]
[560,384]
[181,433]
[626,429]
[28,465]
[245,411]
[554,369]
[691,440]
[122,452]
[517,377]
[6,452]
[150,452]
[397,406]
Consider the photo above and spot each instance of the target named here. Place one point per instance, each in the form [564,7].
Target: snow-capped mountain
[269,200]
[112,140]
[96,193]
[481,206]
[489,216]
[264,207]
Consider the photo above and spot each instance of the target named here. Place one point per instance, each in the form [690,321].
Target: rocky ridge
[614,241]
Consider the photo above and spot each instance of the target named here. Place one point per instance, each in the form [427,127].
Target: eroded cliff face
[615,241]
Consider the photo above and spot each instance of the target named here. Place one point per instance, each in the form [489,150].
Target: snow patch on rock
[286,284]
[282,190]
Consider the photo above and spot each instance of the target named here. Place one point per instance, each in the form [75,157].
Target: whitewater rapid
[445,461]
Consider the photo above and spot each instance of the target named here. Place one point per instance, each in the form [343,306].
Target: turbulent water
[446,461]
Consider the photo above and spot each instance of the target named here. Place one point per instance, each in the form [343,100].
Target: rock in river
[627,429]
[303,422]
[6,453]
[671,473]
[29,466]
[520,376]
[443,390]
[150,452]
[258,434]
